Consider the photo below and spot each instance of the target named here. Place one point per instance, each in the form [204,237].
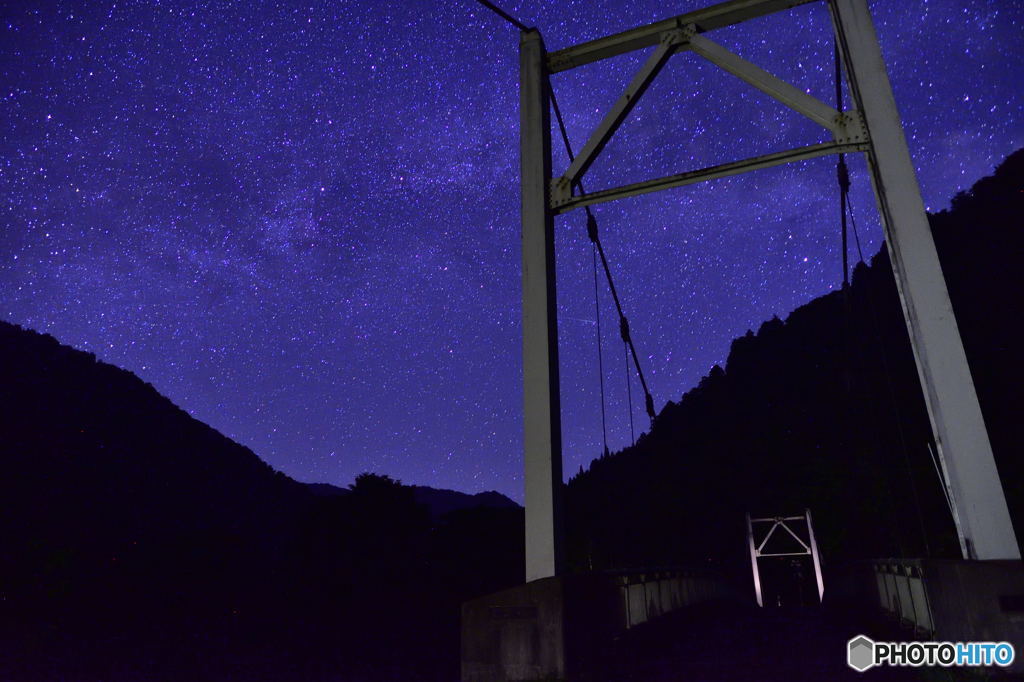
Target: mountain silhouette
[140,544]
[439,501]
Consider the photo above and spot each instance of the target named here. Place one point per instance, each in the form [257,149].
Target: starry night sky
[300,221]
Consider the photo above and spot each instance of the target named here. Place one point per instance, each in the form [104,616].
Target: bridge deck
[726,642]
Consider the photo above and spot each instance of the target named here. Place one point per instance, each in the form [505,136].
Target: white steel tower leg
[814,556]
[983,521]
[753,561]
[542,439]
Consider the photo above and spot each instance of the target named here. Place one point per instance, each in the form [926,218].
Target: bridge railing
[648,594]
[950,600]
[902,593]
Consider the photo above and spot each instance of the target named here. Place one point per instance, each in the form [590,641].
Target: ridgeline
[824,410]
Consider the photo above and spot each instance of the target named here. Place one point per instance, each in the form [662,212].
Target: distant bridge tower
[873,127]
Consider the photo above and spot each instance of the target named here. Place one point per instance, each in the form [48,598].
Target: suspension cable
[595,245]
[629,396]
[592,233]
[856,237]
[846,209]
[504,15]
[600,355]
[897,413]
[842,172]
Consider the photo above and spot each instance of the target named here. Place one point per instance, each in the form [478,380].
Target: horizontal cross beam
[706,19]
[563,204]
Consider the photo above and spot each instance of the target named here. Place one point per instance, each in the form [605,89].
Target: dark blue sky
[300,222]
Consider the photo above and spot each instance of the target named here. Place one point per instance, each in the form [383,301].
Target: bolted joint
[561,192]
[849,128]
[676,36]
[624,328]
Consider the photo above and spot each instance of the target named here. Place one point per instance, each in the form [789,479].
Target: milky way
[300,222]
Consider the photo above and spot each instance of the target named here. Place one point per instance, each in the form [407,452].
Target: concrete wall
[515,634]
[547,629]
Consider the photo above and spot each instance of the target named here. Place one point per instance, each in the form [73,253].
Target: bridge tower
[873,127]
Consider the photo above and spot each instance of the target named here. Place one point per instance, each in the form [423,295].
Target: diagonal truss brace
[847,128]
[778,89]
[670,40]
[781,523]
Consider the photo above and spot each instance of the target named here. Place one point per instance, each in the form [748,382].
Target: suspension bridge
[678,624]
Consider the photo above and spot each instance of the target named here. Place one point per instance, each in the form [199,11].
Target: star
[301,223]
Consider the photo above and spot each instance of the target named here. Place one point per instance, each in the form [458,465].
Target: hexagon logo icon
[860,653]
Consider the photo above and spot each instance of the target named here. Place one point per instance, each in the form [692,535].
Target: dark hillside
[103,471]
[824,410]
[140,544]
[440,502]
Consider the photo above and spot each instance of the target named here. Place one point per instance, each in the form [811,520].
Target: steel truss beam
[846,128]
[542,432]
[810,548]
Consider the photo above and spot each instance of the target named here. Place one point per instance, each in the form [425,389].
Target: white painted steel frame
[810,548]
[620,110]
[776,88]
[847,128]
[978,502]
[542,436]
[706,19]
